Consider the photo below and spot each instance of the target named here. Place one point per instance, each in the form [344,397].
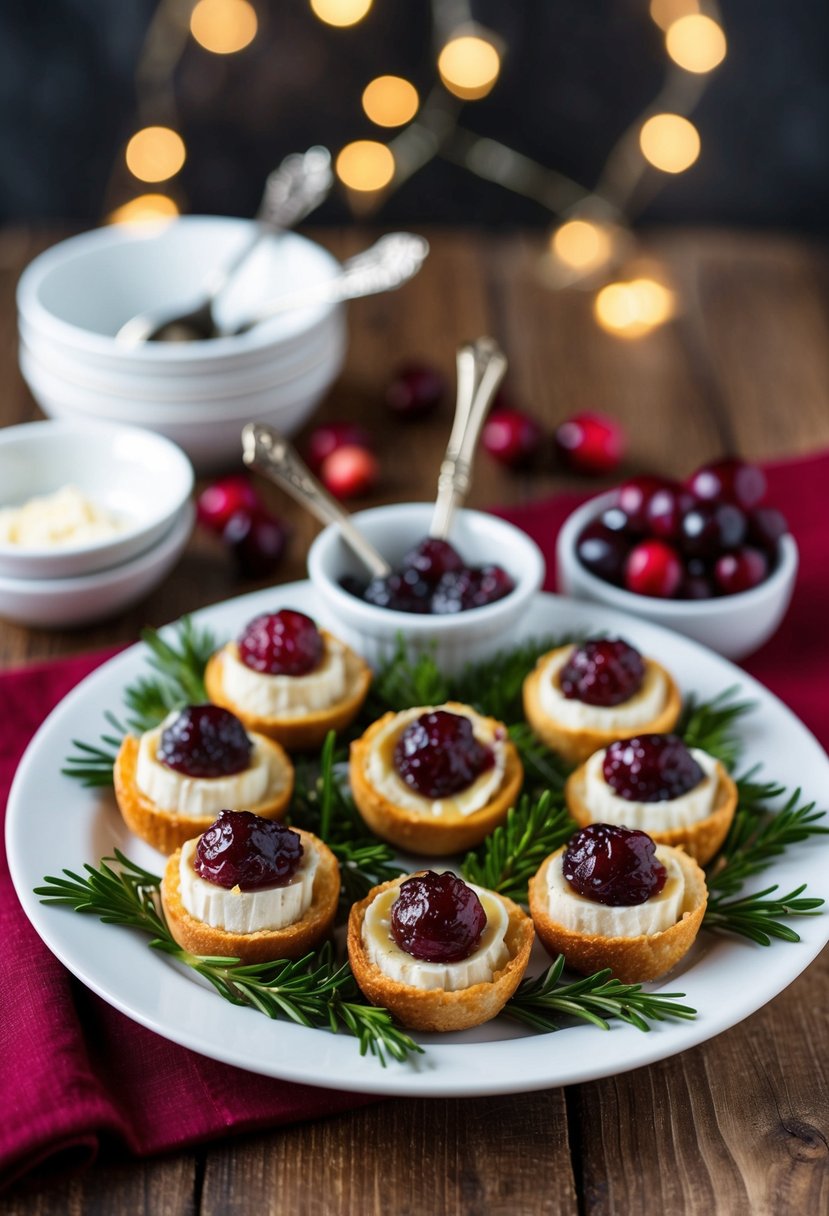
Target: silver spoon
[271,454]
[481,368]
[292,191]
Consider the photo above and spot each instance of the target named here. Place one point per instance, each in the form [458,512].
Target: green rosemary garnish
[314,991]
[91,763]
[509,857]
[712,725]
[179,674]
[542,1002]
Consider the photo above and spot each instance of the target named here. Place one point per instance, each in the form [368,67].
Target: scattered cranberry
[740,571]
[438,755]
[243,850]
[666,509]
[634,497]
[766,525]
[257,540]
[416,390]
[224,499]
[651,768]
[697,581]
[205,741]
[285,643]
[331,436]
[602,672]
[708,528]
[437,918]
[603,552]
[432,559]
[512,437]
[613,865]
[590,443]
[653,568]
[349,471]
[731,480]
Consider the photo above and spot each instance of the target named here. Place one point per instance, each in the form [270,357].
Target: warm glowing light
[223,26]
[341,12]
[469,66]
[633,309]
[696,43]
[669,142]
[665,12]
[390,101]
[147,208]
[365,165]
[155,153]
[582,245]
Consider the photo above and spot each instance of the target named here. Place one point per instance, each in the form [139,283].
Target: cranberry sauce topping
[244,850]
[285,643]
[437,918]
[603,672]
[613,865]
[205,741]
[438,755]
[651,768]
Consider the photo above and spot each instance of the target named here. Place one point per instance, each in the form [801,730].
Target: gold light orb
[224,26]
[582,245]
[669,142]
[155,154]
[390,101]
[696,43]
[634,308]
[146,209]
[665,12]
[365,165]
[340,12]
[469,66]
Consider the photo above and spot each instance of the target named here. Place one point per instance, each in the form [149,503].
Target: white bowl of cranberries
[710,557]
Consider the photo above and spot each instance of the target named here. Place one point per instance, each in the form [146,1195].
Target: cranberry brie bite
[580,698]
[289,680]
[613,898]
[252,889]
[436,952]
[435,780]
[172,781]
[655,783]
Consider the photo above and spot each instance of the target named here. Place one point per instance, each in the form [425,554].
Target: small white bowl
[142,478]
[455,640]
[733,625]
[64,603]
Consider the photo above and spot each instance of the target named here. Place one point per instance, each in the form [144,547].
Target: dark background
[575,74]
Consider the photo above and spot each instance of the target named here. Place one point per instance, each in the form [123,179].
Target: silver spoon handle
[271,454]
[481,368]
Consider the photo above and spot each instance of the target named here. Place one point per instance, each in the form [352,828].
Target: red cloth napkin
[76,1076]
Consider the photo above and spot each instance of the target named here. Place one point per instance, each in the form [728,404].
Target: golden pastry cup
[631,959]
[164,828]
[433,1009]
[265,945]
[700,840]
[575,744]
[421,831]
[309,730]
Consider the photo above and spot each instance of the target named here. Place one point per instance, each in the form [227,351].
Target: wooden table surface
[738,1125]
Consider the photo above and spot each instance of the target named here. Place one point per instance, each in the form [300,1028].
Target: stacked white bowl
[73,299]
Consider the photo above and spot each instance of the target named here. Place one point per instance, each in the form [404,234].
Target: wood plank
[162,1187]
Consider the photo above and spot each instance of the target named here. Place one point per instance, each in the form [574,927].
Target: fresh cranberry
[437,918]
[512,437]
[205,741]
[402,591]
[740,571]
[285,643]
[416,390]
[603,552]
[731,480]
[653,568]
[697,582]
[666,509]
[438,755]
[349,471]
[432,559]
[766,525]
[243,850]
[590,443]
[602,672]
[224,499]
[613,865]
[650,768]
[710,528]
[257,540]
[331,436]
[634,497]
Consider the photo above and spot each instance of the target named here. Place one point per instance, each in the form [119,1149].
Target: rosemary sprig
[494,686]
[543,768]
[753,916]
[91,763]
[179,674]
[712,725]
[542,1002]
[313,991]
[402,682]
[510,856]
